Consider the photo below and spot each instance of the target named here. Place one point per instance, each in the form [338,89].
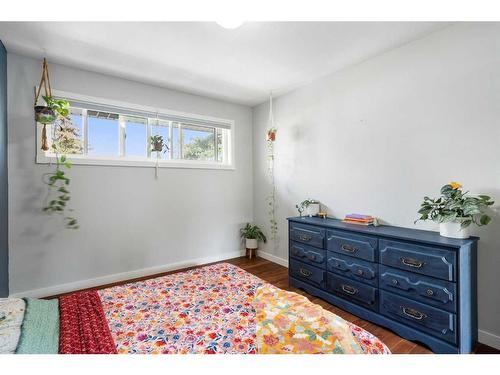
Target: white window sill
[131,162]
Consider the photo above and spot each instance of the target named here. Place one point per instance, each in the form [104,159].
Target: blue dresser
[416,283]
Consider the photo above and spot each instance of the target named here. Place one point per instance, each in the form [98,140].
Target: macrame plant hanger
[271,199]
[157,167]
[45,82]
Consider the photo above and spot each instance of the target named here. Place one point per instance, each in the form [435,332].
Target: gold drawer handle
[348,248]
[349,289]
[305,272]
[304,237]
[412,313]
[412,262]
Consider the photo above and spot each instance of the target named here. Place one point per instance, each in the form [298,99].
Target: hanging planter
[271,135]
[156,143]
[53,108]
[158,146]
[271,199]
[65,141]
[44,114]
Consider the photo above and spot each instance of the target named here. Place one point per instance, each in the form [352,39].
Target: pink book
[359,216]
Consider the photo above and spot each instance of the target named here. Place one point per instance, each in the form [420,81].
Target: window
[198,142]
[102,130]
[136,136]
[111,134]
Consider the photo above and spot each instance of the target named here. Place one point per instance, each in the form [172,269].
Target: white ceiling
[241,65]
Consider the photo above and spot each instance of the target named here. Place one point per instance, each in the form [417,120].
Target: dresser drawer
[428,319]
[354,245]
[307,273]
[354,291]
[425,260]
[357,269]
[307,234]
[435,292]
[308,254]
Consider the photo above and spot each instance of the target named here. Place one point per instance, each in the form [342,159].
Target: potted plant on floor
[252,234]
[455,210]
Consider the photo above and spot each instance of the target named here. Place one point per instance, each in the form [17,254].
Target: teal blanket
[40,329]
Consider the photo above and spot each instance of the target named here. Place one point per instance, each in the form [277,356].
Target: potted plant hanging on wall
[65,140]
[156,143]
[157,146]
[53,108]
[455,210]
[271,198]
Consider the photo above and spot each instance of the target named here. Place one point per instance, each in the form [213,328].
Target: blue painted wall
[4,217]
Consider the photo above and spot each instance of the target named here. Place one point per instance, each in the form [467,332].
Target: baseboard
[489,339]
[273,258]
[103,280]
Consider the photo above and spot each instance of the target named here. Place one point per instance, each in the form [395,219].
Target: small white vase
[251,243]
[453,230]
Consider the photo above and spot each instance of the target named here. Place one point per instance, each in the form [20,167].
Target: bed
[215,309]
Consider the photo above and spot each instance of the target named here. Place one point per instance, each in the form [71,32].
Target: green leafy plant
[271,198]
[157,145]
[302,206]
[58,182]
[454,205]
[66,140]
[252,232]
[59,106]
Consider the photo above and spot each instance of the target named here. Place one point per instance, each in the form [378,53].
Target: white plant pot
[312,209]
[453,230]
[251,243]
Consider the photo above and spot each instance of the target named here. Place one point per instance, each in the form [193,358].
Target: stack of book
[358,219]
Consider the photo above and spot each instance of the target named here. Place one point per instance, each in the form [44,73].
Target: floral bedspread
[206,310]
[289,323]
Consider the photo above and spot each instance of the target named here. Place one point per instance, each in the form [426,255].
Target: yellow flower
[455,185]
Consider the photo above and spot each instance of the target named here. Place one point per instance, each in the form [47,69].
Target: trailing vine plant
[58,182]
[271,199]
[66,140]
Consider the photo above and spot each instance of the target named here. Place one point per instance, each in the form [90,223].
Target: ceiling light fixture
[230,24]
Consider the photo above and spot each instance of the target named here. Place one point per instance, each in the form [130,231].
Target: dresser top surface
[429,237]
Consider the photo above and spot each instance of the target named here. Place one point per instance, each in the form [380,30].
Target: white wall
[128,220]
[376,137]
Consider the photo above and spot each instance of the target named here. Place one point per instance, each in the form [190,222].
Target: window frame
[45,157]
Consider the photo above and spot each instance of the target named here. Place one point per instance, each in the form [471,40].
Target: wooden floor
[278,276]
